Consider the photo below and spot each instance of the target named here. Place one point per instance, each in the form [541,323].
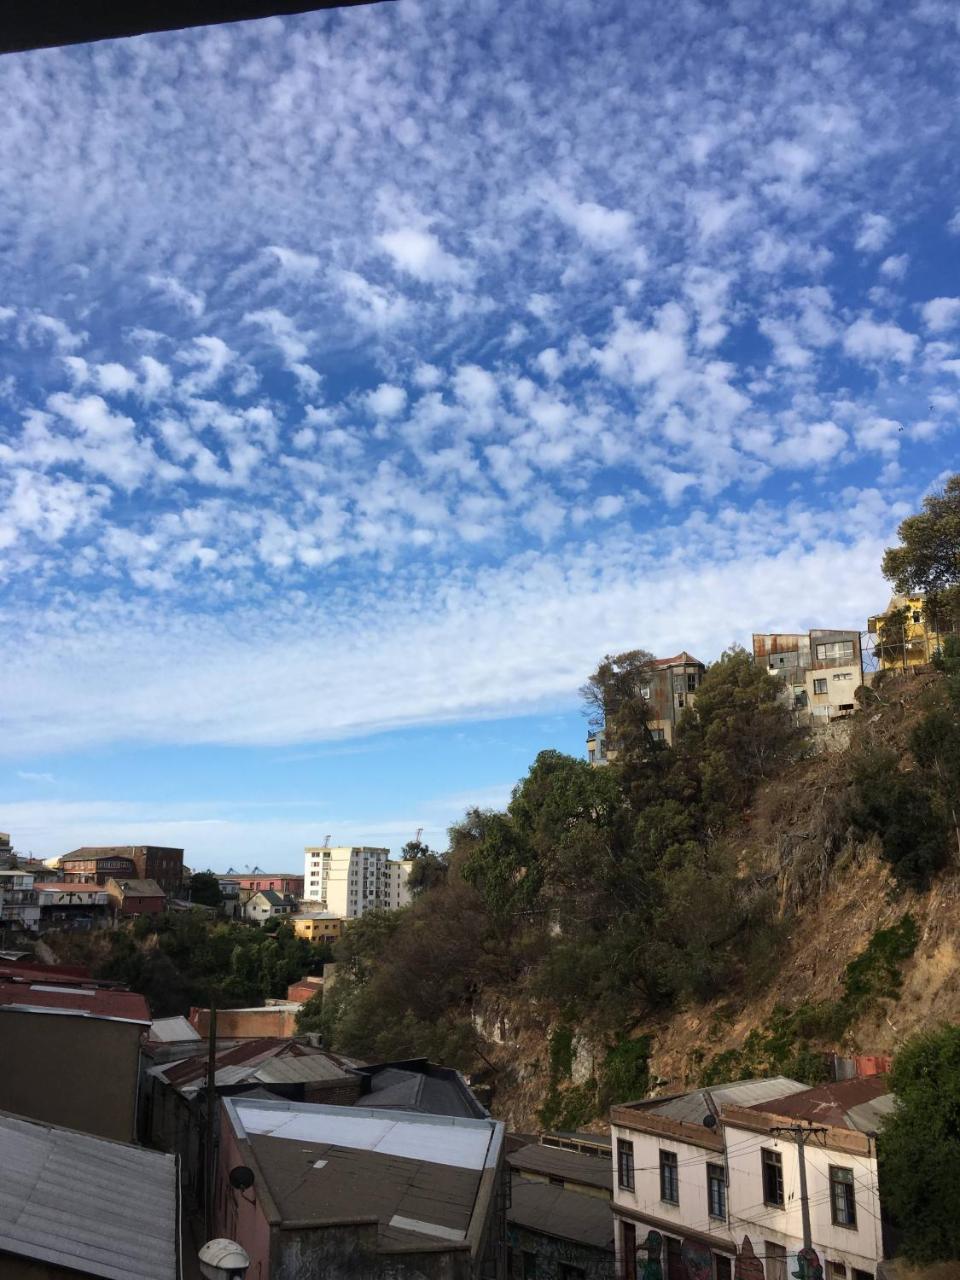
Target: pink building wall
[240,1216]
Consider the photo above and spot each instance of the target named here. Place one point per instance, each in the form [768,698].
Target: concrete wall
[73,1071]
[273,1021]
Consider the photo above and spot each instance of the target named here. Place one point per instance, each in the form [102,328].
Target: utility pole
[800,1132]
[210,1171]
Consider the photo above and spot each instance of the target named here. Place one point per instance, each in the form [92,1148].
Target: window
[820,686]
[842,1204]
[716,1191]
[628,1253]
[916,615]
[555,1180]
[691,683]
[669,1185]
[843,675]
[834,649]
[722,1267]
[625,1164]
[657,735]
[836,1271]
[529,1265]
[591,755]
[772,1165]
[645,692]
[680,698]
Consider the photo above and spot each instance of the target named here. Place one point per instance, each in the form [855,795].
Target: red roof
[33,971]
[252,1051]
[677,659]
[828,1103]
[71,886]
[94,1002]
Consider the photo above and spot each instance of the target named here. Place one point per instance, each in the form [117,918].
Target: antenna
[326,843]
[416,838]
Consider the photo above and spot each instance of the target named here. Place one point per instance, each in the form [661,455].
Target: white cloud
[875,231]
[297,265]
[941,314]
[895,267]
[598,226]
[28,776]
[387,400]
[420,254]
[185,299]
[868,340]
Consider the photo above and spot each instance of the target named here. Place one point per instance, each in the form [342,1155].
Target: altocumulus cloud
[415,335]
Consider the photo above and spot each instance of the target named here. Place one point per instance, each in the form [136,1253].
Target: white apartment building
[18,900]
[716,1183]
[348,880]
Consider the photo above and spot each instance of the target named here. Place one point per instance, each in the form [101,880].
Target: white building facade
[740,1177]
[18,900]
[349,880]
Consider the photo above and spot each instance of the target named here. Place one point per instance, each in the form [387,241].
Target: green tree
[617,699]
[927,561]
[902,810]
[205,889]
[919,1147]
[310,1014]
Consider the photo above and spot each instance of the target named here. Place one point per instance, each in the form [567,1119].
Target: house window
[669,1185]
[716,1191]
[842,1203]
[680,698]
[625,1164]
[819,686]
[772,1164]
[722,1267]
[916,615]
[834,649]
[628,1253]
[836,1271]
[591,755]
[691,683]
[843,675]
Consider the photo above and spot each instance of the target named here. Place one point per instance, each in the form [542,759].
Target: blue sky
[367,375]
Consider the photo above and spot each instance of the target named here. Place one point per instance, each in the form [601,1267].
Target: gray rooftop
[59,1202]
[172,1030]
[690,1108]
[559,1163]
[418,1085]
[418,1175]
[567,1215]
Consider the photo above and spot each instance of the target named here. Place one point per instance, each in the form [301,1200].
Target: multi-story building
[317,926]
[670,691]
[909,633]
[140,862]
[348,880]
[281,882]
[821,670]
[720,1164]
[18,900]
[73,906]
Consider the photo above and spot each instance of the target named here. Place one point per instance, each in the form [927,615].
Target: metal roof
[559,1163]
[567,1215]
[418,1176]
[690,1108]
[862,1103]
[123,1006]
[171,1030]
[59,1202]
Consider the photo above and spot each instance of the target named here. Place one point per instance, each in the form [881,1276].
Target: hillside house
[559,1223]
[136,897]
[821,670]
[909,633]
[266,903]
[714,1165]
[670,691]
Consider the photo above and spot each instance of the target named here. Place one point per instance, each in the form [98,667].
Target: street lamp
[223,1260]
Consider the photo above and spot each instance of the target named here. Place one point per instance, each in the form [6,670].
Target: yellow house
[317,926]
[907,634]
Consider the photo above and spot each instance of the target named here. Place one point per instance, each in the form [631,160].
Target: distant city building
[318,926]
[136,897]
[273,1021]
[349,880]
[281,882]
[149,862]
[265,903]
[909,633]
[670,691]
[67,905]
[821,669]
[19,906]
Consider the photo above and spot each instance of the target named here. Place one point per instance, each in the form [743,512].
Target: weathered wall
[273,1021]
[553,1253]
[350,1254]
[74,1071]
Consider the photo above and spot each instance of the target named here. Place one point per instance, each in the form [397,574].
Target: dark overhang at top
[40,24]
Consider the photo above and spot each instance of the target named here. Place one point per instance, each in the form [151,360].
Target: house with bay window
[718,1164]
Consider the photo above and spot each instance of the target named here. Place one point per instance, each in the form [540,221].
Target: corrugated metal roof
[127,1006]
[690,1108]
[567,1215]
[314,1066]
[862,1103]
[59,1202]
[572,1165]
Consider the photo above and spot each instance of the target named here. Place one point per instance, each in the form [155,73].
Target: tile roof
[418,1176]
[572,1165]
[59,1202]
[860,1104]
[567,1215]
[90,1002]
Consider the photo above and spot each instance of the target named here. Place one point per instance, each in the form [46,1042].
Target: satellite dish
[241,1177]
[710,1121]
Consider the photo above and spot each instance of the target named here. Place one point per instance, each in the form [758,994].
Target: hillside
[826,945]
